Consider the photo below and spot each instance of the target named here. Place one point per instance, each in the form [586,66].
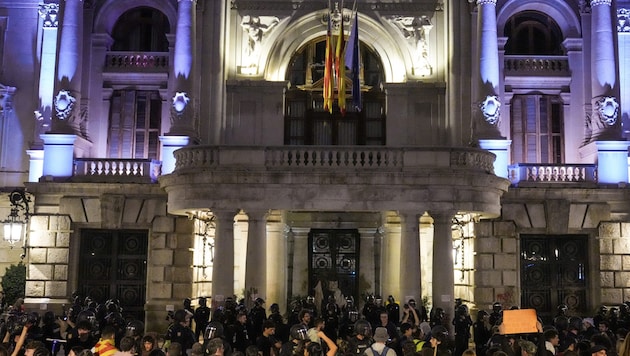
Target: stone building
[177,149]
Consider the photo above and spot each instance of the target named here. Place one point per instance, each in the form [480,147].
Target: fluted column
[443,272]
[605,118]
[67,118]
[256,268]
[223,265]
[409,256]
[183,113]
[486,118]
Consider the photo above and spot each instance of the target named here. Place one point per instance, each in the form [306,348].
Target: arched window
[532,32]
[306,121]
[142,29]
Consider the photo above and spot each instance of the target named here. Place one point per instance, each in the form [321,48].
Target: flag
[341,68]
[353,61]
[328,71]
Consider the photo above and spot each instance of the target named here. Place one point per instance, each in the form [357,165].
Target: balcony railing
[552,173]
[116,170]
[356,158]
[537,66]
[137,61]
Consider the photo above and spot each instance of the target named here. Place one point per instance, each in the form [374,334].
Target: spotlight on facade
[15,224]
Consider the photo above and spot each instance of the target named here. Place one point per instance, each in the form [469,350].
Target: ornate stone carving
[607,110]
[490,108]
[180,101]
[623,20]
[416,31]
[64,104]
[486,2]
[601,2]
[584,6]
[49,13]
[255,28]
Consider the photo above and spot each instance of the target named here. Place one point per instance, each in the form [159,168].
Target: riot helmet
[298,332]
[214,329]
[363,327]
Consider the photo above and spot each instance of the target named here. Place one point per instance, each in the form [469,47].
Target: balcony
[334,178]
[105,170]
[137,62]
[546,66]
[536,174]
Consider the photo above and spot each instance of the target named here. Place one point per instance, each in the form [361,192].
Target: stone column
[443,272]
[44,111]
[67,118]
[256,267]
[183,113]
[409,256]
[486,119]
[277,265]
[223,265]
[605,123]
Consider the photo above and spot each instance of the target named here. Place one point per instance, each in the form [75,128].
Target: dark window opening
[142,29]
[306,121]
[532,32]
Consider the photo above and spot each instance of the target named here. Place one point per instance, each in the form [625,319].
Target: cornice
[314,5]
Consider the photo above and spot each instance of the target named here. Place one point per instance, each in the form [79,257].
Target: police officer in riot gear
[393,310]
[362,338]
[213,330]
[297,333]
[202,317]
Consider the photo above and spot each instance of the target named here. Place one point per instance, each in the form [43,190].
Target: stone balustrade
[538,65]
[333,157]
[137,61]
[552,173]
[106,169]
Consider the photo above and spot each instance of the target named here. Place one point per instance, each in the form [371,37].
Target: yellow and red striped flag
[341,67]
[328,70]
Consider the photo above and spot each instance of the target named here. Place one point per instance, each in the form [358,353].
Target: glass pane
[347,133]
[322,132]
[139,145]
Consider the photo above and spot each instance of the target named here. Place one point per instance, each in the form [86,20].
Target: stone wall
[614,262]
[496,264]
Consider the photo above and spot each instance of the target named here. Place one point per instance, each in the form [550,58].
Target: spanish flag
[341,67]
[328,70]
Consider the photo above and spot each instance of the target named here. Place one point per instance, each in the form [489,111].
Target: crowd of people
[378,329]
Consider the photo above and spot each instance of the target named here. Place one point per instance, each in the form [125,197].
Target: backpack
[384,353]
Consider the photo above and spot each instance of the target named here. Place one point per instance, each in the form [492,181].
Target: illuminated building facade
[179,149]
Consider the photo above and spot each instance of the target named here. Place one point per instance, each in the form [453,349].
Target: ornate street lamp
[15,224]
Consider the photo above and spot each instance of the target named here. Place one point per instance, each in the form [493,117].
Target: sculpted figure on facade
[255,28]
[416,31]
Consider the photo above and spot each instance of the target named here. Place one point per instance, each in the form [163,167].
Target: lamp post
[16,222]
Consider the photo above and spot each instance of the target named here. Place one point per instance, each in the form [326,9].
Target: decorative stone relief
[416,31]
[64,104]
[608,110]
[623,20]
[49,13]
[490,108]
[180,100]
[254,28]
